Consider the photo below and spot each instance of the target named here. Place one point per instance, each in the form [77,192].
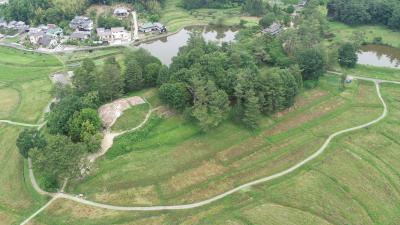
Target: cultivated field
[24,93]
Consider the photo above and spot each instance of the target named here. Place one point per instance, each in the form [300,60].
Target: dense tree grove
[58,160]
[354,12]
[60,12]
[195,4]
[348,55]
[43,11]
[215,80]
[73,123]
[29,139]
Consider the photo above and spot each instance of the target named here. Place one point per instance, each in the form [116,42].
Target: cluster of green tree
[207,82]
[275,14]
[348,55]
[43,11]
[153,6]
[73,125]
[354,12]
[195,4]
[252,7]
[107,21]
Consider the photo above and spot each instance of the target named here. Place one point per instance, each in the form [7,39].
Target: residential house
[273,30]
[80,35]
[35,35]
[20,26]
[115,35]
[40,35]
[104,34]
[150,27]
[48,41]
[55,32]
[81,23]
[121,12]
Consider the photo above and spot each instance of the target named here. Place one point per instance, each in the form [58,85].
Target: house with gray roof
[121,12]
[115,35]
[81,23]
[80,35]
[273,30]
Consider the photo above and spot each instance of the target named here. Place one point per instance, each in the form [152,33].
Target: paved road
[241,187]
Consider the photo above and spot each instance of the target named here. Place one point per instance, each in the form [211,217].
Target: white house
[115,35]
[121,12]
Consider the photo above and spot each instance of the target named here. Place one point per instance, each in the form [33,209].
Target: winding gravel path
[241,187]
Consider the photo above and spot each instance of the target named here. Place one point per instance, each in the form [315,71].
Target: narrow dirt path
[21,124]
[241,187]
[109,136]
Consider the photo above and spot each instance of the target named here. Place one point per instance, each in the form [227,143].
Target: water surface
[379,55]
[167,47]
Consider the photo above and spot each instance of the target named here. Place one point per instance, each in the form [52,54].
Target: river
[167,47]
[379,55]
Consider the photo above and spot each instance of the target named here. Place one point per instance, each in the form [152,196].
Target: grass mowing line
[345,189]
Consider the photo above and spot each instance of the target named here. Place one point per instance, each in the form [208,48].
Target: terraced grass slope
[355,182]
[24,93]
[24,84]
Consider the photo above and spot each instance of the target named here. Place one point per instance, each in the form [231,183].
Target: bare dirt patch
[109,113]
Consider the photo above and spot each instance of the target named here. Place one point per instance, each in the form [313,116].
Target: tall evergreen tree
[110,82]
[133,75]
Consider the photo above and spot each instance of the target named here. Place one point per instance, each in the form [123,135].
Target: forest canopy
[356,12]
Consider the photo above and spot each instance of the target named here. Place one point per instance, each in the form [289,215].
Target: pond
[379,55]
[167,47]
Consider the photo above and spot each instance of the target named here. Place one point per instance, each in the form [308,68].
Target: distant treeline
[60,12]
[355,12]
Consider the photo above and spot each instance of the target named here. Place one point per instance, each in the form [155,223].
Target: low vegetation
[23,80]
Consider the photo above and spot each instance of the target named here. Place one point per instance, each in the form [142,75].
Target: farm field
[347,185]
[23,81]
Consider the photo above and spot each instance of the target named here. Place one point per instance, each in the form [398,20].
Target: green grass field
[354,182]
[24,93]
[24,81]
[131,118]
[175,17]
[344,32]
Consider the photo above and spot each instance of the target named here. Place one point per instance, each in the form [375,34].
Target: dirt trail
[241,187]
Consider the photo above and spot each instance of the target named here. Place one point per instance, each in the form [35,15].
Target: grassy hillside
[354,182]
[24,93]
[24,84]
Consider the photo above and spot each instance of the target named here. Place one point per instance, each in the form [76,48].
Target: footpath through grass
[173,162]
[354,182]
[24,93]
[24,84]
